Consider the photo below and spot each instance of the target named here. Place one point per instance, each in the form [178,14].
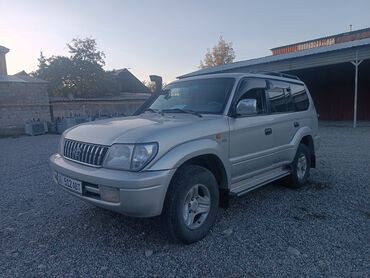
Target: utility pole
[356,63]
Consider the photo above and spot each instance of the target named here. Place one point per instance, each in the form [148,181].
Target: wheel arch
[308,141]
[215,165]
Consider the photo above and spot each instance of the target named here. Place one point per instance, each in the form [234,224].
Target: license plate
[70,183]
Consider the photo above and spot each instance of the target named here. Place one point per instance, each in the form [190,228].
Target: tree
[58,71]
[42,62]
[149,84]
[222,53]
[86,50]
[80,75]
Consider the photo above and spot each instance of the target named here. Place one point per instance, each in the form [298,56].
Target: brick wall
[21,103]
[94,108]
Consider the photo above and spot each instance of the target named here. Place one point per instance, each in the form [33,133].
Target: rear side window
[279,96]
[289,100]
[277,100]
[284,97]
[299,96]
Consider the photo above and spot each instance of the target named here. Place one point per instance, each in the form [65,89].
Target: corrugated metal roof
[276,58]
[326,37]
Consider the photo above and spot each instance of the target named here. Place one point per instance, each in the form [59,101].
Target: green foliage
[86,50]
[80,75]
[222,53]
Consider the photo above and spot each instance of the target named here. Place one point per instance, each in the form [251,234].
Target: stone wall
[21,103]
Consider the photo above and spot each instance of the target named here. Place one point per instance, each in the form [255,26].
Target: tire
[299,176]
[185,218]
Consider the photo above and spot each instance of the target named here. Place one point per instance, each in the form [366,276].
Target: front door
[251,137]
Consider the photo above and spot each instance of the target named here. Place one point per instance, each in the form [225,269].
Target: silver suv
[191,146]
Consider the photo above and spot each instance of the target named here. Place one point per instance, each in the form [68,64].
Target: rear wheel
[191,204]
[300,168]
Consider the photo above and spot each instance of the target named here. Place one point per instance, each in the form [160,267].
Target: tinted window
[277,100]
[299,96]
[289,100]
[202,95]
[254,89]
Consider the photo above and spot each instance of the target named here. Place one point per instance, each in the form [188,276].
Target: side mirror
[246,107]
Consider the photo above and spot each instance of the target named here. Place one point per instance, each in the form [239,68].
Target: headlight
[142,155]
[130,157]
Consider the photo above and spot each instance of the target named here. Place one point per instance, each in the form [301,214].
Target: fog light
[109,194]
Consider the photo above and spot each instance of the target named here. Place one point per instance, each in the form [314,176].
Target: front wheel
[300,168]
[191,204]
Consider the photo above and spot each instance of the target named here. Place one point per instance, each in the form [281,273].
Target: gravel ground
[320,230]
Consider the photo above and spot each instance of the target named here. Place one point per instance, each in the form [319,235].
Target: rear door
[251,137]
[281,106]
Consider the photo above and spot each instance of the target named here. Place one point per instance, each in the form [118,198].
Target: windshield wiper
[179,110]
[153,110]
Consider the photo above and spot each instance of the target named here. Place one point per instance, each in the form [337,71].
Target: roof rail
[279,74]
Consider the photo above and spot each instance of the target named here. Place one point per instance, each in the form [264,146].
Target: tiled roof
[21,77]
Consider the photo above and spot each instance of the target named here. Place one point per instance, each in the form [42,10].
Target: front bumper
[141,194]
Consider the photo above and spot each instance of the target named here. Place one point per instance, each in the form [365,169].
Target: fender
[178,155]
[302,132]
[297,138]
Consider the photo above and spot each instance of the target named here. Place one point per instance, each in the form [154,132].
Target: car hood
[147,127]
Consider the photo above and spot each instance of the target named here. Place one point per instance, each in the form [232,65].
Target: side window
[289,100]
[299,96]
[280,96]
[254,89]
[277,100]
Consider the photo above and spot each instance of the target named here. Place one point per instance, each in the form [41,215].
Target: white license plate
[70,183]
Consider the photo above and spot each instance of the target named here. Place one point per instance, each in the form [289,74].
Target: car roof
[239,75]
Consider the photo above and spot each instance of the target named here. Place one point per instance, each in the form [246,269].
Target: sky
[168,38]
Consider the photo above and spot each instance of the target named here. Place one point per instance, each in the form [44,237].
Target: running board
[255,182]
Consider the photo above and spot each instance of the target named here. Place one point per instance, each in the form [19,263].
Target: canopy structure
[336,70]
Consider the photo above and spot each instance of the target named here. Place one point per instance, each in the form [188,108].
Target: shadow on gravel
[366,213]
[306,214]
[122,228]
[115,229]
[317,185]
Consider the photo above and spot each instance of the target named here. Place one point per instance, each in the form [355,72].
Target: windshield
[208,96]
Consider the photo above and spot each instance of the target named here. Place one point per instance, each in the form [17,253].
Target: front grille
[83,152]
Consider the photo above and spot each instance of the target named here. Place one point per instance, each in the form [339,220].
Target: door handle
[268,131]
[296,124]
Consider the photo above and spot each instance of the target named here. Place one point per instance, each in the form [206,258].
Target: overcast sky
[168,38]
